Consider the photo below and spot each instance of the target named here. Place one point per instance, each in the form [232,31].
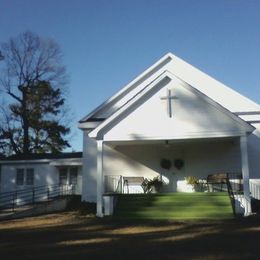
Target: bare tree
[32,66]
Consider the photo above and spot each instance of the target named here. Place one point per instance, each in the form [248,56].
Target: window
[25,176]
[30,176]
[20,177]
[63,176]
[73,176]
[68,175]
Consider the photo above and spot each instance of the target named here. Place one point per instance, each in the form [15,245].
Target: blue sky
[106,43]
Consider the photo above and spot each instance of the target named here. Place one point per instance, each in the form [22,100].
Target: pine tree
[33,79]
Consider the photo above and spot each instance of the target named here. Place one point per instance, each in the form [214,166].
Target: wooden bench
[217,179]
[128,181]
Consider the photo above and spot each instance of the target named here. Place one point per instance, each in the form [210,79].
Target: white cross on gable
[169,99]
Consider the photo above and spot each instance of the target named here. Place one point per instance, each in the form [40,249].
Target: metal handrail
[120,185]
[25,189]
[235,188]
[33,195]
[231,195]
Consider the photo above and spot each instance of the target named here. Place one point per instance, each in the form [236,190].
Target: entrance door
[63,176]
[68,178]
[73,176]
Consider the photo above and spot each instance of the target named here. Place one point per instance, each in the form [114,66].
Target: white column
[100,184]
[245,173]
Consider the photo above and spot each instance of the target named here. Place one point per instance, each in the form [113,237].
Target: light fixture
[166,143]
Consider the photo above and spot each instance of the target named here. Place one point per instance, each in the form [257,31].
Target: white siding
[193,117]
[44,174]
[201,159]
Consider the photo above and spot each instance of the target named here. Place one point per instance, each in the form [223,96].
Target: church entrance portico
[182,158]
[196,158]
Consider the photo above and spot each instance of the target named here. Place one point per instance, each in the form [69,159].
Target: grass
[70,235]
[177,206]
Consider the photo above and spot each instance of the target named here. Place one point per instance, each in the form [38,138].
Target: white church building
[173,112]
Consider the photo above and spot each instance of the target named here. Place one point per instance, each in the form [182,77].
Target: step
[174,206]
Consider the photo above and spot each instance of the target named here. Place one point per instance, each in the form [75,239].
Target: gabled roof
[215,90]
[164,78]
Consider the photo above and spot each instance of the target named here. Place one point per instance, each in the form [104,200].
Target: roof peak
[206,84]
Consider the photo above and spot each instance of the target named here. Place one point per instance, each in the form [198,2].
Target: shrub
[155,183]
[192,180]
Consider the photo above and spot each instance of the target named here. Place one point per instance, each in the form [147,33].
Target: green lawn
[199,205]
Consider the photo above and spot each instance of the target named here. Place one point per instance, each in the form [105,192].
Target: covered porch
[124,166]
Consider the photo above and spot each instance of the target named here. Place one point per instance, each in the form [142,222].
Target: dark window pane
[30,176]
[19,176]
[73,175]
[63,176]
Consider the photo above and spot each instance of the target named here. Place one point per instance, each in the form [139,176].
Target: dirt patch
[70,235]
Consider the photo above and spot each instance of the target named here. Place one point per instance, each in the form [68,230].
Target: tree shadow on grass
[98,238]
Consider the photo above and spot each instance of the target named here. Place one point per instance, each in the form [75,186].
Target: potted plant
[193,182]
[153,185]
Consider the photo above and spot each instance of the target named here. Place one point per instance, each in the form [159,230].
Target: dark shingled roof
[40,156]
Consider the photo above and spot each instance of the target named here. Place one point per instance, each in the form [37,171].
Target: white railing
[254,189]
[133,189]
[120,184]
[113,184]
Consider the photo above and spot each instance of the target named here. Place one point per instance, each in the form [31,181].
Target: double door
[68,176]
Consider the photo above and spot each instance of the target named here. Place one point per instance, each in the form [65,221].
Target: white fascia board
[252,119]
[26,161]
[67,162]
[249,113]
[164,75]
[151,70]
[61,164]
[88,125]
